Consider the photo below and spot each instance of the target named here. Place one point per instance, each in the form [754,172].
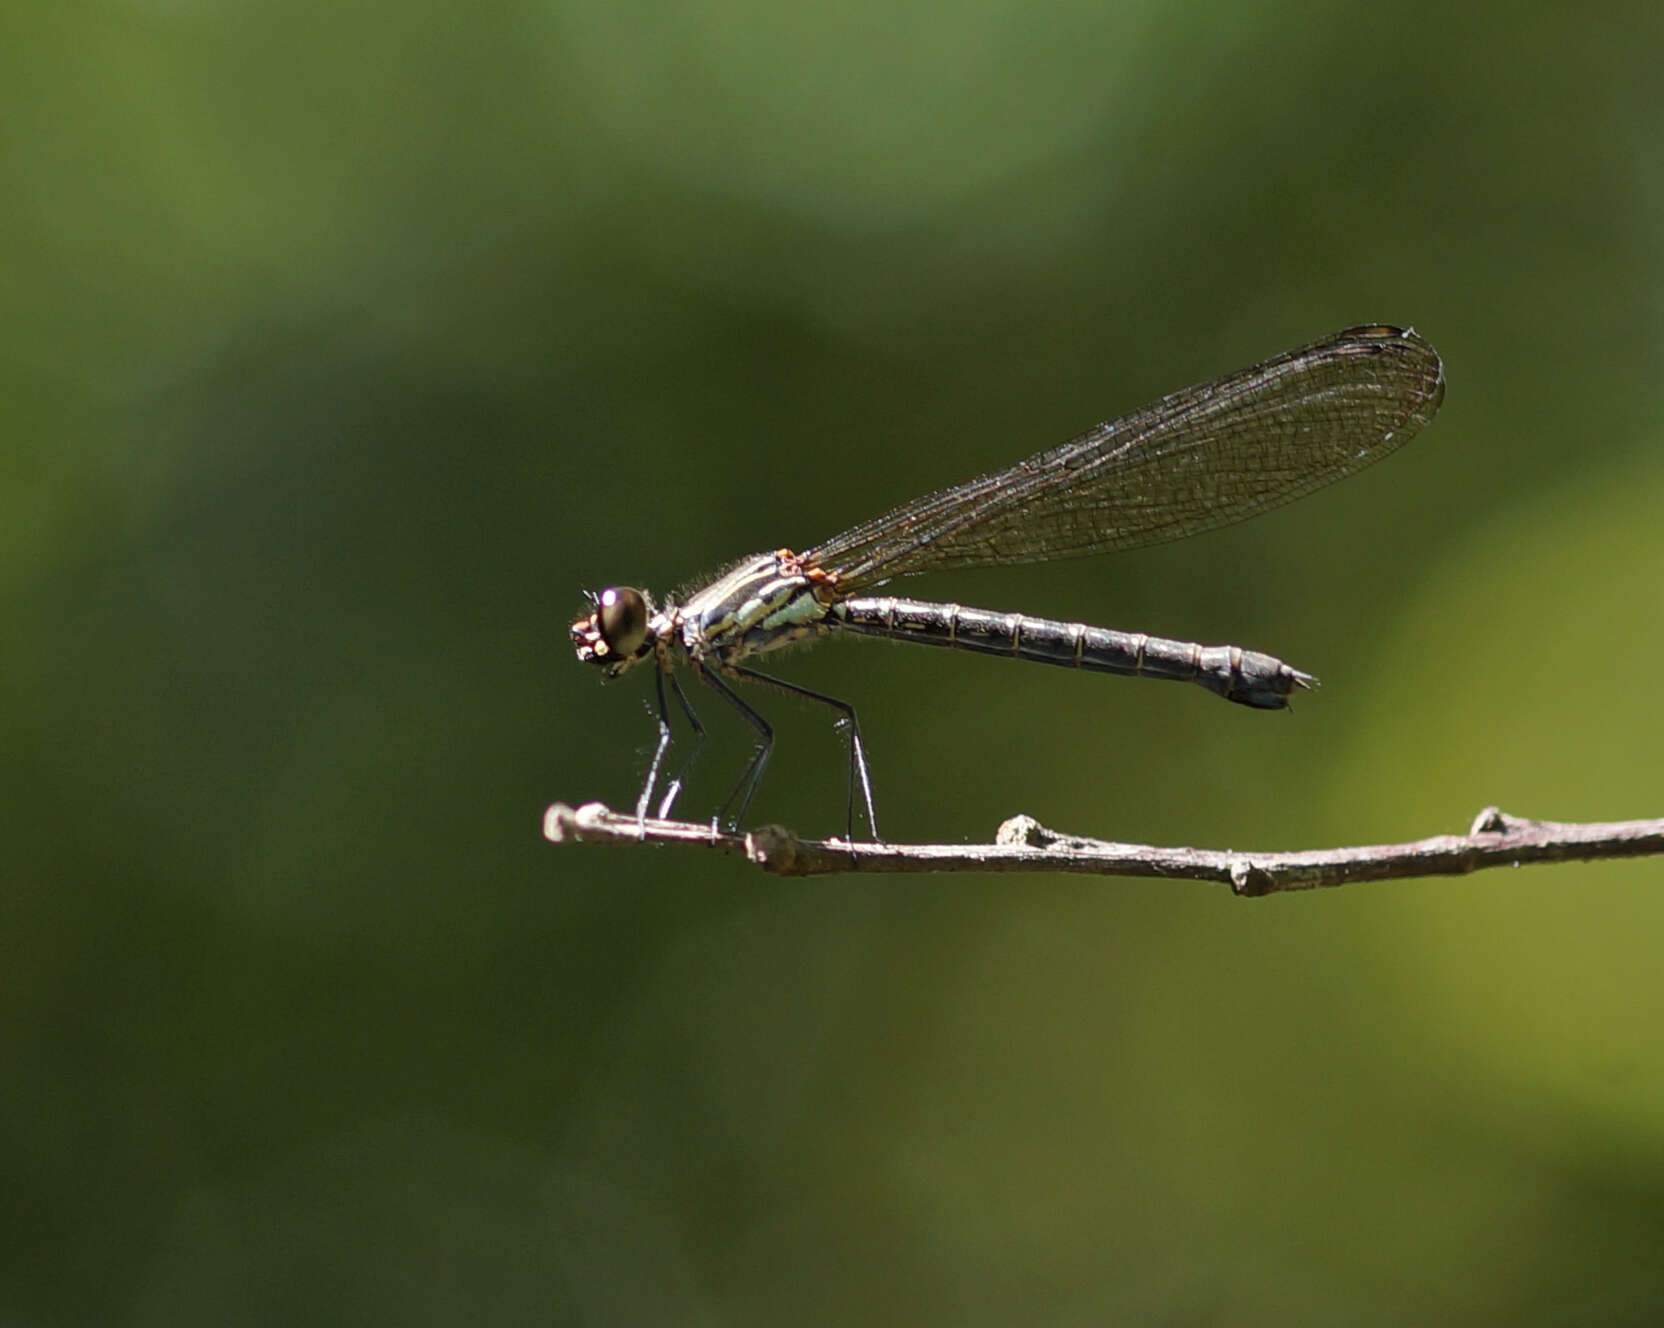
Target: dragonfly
[1199,459]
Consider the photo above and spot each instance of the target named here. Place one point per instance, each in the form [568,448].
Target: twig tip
[566,825]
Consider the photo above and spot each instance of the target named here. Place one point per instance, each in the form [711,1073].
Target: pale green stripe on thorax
[755,607]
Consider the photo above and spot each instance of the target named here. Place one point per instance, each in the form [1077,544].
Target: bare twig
[1023,844]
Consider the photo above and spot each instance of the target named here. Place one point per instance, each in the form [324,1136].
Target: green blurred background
[341,346]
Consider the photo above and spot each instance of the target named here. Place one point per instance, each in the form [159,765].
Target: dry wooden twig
[1495,839]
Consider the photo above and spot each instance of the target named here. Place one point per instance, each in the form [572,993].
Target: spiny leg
[665,736]
[675,785]
[759,756]
[858,773]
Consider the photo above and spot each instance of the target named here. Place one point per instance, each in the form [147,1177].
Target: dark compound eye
[621,616]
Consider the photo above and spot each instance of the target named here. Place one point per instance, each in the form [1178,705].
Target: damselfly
[1202,458]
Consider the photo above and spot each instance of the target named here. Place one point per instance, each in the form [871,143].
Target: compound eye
[621,616]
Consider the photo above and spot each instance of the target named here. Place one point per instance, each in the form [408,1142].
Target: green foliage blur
[343,346]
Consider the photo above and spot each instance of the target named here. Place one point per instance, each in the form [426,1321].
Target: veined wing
[1206,457]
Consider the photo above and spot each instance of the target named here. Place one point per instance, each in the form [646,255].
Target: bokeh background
[342,346]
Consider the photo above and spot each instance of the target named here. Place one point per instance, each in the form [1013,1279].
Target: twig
[1023,844]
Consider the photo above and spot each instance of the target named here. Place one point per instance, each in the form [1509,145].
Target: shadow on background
[342,347]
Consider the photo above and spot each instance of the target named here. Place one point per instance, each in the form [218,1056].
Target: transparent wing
[1202,458]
